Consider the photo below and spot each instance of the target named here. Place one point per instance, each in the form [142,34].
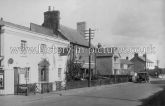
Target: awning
[86,65]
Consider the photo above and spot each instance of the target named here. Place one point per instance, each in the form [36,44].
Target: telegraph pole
[89,32]
[145,62]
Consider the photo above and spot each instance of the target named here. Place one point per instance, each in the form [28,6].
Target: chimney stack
[136,55]
[81,27]
[52,20]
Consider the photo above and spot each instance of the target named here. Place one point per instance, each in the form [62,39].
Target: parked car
[142,77]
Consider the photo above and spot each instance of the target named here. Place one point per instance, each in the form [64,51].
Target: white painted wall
[12,38]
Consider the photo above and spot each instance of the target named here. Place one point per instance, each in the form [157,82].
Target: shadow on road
[158,99]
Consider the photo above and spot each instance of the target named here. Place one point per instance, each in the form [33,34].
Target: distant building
[108,63]
[141,63]
[126,66]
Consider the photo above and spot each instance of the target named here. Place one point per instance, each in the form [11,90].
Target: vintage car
[141,77]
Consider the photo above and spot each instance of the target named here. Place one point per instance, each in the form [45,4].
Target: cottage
[108,63]
[141,63]
[126,66]
[29,55]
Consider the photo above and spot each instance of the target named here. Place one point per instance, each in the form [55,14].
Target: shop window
[1,79]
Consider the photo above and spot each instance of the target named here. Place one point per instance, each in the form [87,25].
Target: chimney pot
[49,8]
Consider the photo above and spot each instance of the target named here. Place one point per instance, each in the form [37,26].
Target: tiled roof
[124,61]
[143,58]
[73,36]
[40,29]
[104,54]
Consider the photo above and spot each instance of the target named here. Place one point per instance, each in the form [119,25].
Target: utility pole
[89,32]
[157,62]
[145,62]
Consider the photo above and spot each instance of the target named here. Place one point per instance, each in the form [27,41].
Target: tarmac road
[126,94]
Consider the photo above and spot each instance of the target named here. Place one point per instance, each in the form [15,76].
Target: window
[23,46]
[43,48]
[59,72]
[27,74]
[1,79]
[115,59]
[23,75]
[43,74]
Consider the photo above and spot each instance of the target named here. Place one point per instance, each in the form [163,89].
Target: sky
[127,23]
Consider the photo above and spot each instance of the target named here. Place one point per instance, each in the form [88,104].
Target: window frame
[59,73]
[23,46]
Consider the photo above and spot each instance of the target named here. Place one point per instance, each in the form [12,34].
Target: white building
[30,65]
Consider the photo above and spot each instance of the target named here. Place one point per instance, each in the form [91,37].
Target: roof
[104,54]
[14,25]
[34,28]
[125,61]
[68,33]
[147,60]
[40,29]
[73,36]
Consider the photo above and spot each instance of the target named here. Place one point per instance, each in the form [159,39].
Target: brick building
[141,63]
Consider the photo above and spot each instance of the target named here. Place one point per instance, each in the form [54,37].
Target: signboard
[1,79]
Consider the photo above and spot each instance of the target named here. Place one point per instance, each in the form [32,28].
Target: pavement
[124,94]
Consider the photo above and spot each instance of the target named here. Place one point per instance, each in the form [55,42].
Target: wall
[139,65]
[13,39]
[104,65]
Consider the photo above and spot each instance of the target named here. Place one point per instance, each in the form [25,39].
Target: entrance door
[16,79]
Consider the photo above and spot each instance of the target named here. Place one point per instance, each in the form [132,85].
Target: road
[127,94]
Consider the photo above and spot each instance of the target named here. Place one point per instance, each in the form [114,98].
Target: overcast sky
[117,22]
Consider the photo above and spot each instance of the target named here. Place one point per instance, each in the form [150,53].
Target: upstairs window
[43,48]
[115,59]
[23,46]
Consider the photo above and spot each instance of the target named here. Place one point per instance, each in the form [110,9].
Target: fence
[34,88]
[111,79]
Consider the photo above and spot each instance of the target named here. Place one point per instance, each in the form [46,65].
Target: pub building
[19,65]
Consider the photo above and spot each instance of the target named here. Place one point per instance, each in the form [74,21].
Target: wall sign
[10,61]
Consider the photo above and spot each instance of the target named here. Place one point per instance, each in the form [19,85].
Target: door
[16,79]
